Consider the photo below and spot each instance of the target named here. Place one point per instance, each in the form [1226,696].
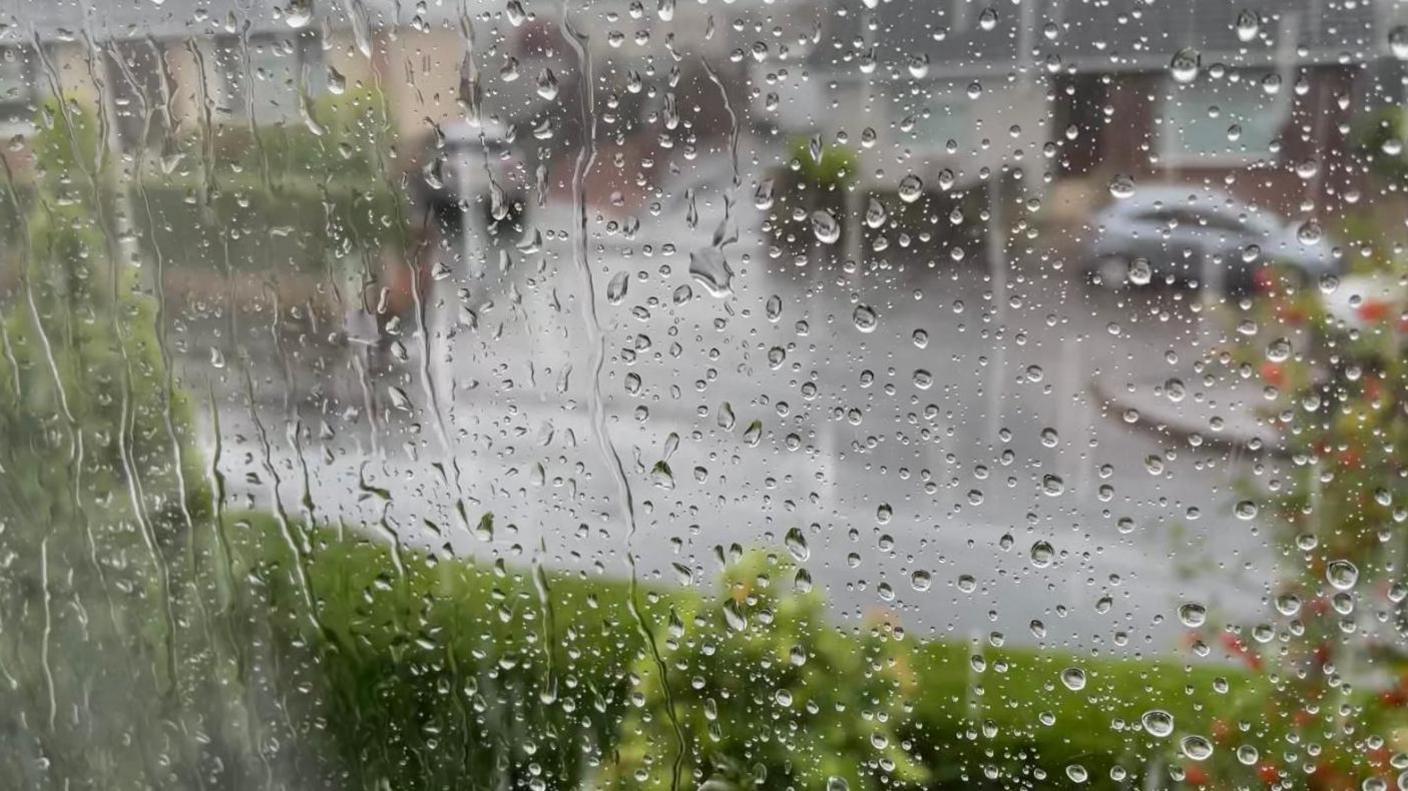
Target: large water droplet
[1042,554]
[911,187]
[1184,65]
[616,289]
[825,227]
[1157,722]
[1248,24]
[1398,42]
[1342,574]
[1122,186]
[1073,678]
[298,14]
[865,318]
[1196,747]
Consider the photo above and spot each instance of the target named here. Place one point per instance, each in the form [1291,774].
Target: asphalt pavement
[932,429]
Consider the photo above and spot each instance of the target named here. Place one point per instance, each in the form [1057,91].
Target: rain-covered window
[703,395]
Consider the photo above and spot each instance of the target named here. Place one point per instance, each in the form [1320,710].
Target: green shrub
[766,693]
[434,672]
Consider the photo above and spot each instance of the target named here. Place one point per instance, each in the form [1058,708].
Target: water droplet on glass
[911,187]
[921,580]
[865,318]
[1157,722]
[1042,554]
[1398,42]
[875,214]
[1140,272]
[1073,678]
[1341,574]
[1196,747]
[919,66]
[1247,755]
[1192,615]
[616,289]
[711,269]
[547,84]
[1122,186]
[987,19]
[1248,24]
[1245,510]
[825,226]
[298,14]
[1278,351]
[1184,65]
[796,543]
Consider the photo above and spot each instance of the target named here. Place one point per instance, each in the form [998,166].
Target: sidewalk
[1224,414]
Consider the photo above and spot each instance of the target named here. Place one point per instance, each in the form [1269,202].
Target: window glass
[723,395]
[1239,116]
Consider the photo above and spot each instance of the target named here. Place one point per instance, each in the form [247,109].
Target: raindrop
[825,226]
[987,19]
[1122,186]
[919,66]
[1184,66]
[298,14]
[1196,747]
[1398,42]
[875,214]
[911,187]
[1192,615]
[1140,272]
[1245,510]
[773,308]
[1247,755]
[547,84]
[754,433]
[1279,350]
[1247,26]
[920,580]
[1157,722]
[515,12]
[217,358]
[865,318]
[1342,574]
[1073,678]
[616,289]
[1077,773]
[711,269]
[796,543]
[1042,554]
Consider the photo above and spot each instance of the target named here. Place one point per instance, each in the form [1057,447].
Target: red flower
[1264,280]
[1273,374]
[1270,774]
[1196,775]
[1373,388]
[1374,311]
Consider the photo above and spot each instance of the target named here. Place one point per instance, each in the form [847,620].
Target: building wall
[1313,132]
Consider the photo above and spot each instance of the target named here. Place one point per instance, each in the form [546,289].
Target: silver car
[1184,234]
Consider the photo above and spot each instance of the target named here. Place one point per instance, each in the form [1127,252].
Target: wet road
[926,427]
